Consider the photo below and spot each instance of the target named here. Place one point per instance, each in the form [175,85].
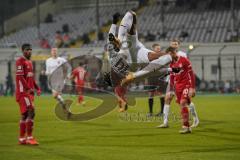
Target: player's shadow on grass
[65,155]
[107,105]
[211,122]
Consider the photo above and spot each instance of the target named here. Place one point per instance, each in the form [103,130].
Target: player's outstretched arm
[155,55]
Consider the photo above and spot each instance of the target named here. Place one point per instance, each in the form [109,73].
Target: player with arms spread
[25,86]
[183,84]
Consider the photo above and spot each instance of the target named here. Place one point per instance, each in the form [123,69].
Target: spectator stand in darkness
[9,85]
[65,28]
[66,40]
[85,38]
[150,36]
[58,39]
[49,18]
[44,43]
[43,82]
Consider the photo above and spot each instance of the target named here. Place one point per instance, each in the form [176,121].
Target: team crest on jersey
[19,68]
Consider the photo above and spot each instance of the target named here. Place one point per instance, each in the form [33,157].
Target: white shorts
[138,52]
[142,55]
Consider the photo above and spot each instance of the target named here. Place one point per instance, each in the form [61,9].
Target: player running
[25,86]
[79,75]
[183,84]
[56,80]
[170,94]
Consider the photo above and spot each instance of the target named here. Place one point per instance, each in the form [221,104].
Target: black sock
[150,104]
[162,103]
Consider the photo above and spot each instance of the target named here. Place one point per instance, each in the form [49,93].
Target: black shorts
[156,84]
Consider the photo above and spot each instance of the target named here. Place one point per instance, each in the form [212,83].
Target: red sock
[120,104]
[22,125]
[29,127]
[185,116]
[80,98]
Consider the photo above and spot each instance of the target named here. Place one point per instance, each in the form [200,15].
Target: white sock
[193,110]
[122,33]
[125,26]
[113,29]
[165,113]
[153,66]
[60,99]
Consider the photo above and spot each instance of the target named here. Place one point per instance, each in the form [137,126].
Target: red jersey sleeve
[20,77]
[190,72]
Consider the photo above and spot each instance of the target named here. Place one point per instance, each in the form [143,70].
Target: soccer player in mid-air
[25,86]
[183,84]
[79,75]
[120,91]
[56,75]
[175,43]
[138,52]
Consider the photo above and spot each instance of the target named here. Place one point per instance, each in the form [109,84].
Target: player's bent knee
[31,113]
[168,98]
[24,116]
[183,103]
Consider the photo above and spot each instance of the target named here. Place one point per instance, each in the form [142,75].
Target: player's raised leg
[112,33]
[154,65]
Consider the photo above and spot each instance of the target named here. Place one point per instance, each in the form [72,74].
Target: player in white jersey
[56,75]
[170,94]
[128,40]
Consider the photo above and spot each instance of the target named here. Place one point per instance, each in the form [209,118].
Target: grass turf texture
[108,137]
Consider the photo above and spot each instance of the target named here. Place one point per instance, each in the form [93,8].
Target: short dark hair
[176,40]
[155,45]
[171,49]
[26,46]
[81,63]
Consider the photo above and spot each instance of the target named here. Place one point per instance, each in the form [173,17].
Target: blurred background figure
[43,81]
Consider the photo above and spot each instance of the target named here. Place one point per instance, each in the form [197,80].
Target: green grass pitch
[109,137]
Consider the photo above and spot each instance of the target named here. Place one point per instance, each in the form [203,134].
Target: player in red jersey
[184,85]
[25,86]
[120,92]
[79,75]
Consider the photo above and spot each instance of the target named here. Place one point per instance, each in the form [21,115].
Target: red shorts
[182,94]
[25,103]
[80,86]
[120,92]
